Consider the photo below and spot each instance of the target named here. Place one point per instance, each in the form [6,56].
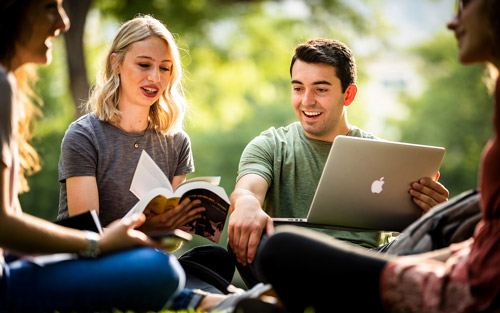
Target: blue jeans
[140,279]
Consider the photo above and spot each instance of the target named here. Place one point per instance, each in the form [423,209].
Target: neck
[341,129]
[134,120]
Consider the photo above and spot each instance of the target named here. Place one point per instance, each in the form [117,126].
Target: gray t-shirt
[92,147]
[292,164]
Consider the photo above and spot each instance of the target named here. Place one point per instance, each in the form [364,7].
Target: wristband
[92,250]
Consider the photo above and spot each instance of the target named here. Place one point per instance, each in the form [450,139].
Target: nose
[62,23]
[453,23]
[154,74]
[308,98]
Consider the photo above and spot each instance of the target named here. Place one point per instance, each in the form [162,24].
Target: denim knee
[162,273]
[162,270]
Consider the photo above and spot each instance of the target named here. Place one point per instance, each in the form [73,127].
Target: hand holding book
[158,218]
[160,202]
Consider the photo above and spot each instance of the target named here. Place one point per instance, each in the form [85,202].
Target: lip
[459,35]
[148,91]
[49,42]
[311,117]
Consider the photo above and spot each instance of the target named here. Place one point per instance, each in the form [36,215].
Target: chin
[468,59]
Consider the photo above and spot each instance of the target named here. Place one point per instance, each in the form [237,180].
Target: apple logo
[377,185]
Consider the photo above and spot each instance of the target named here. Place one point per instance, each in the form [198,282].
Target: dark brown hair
[328,51]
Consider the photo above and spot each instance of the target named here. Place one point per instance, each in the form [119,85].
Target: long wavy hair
[167,114]
[14,24]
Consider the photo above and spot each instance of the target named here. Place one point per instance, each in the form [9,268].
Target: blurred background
[236,54]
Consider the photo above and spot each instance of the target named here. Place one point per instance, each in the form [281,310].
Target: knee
[162,271]
[271,251]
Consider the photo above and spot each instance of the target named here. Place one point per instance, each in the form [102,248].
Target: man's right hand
[245,229]
[248,220]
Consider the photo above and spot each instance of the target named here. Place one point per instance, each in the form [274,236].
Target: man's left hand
[427,193]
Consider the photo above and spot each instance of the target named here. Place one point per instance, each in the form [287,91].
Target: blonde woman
[137,104]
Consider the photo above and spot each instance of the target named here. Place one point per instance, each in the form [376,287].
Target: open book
[155,192]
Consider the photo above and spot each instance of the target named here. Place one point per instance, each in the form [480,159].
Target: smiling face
[473,32]
[318,100]
[144,72]
[47,19]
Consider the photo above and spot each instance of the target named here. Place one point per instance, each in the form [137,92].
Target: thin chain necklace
[137,140]
[136,143]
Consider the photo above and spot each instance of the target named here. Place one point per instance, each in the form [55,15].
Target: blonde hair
[167,114]
[27,110]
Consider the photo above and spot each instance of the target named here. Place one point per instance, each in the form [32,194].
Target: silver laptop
[365,184]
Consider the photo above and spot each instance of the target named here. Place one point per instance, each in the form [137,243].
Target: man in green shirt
[280,169]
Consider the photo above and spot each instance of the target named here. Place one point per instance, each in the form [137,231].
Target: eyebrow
[150,58]
[320,82]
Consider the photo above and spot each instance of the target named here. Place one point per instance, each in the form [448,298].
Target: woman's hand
[121,235]
[182,214]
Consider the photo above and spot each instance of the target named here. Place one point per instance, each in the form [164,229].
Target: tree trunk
[77,12]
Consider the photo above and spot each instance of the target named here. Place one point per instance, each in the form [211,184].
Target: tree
[77,12]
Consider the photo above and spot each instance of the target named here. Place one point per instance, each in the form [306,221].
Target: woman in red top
[462,278]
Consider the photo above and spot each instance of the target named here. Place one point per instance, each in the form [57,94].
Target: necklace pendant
[136,145]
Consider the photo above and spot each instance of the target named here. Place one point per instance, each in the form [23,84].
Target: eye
[296,88]
[165,69]
[322,89]
[144,65]
[465,3]
[51,5]
[461,4]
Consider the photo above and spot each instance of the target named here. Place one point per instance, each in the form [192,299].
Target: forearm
[438,255]
[241,197]
[31,235]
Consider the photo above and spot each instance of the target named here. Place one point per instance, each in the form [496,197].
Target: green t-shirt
[292,164]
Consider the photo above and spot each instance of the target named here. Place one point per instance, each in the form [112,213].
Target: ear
[112,60]
[350,94]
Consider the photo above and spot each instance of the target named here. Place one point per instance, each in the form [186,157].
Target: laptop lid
[365,183]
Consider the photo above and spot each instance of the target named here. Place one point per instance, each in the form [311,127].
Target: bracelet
[92,250]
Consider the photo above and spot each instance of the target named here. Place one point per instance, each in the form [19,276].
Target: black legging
[309,269]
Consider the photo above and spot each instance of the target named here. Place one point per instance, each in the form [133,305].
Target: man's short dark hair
[328,51]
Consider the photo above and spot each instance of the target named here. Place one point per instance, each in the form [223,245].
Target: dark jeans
[142,279]
[310,269]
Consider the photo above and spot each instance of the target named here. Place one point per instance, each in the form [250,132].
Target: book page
[97,222]
[159,198]
[214,180]
[182,189]
[148,176]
